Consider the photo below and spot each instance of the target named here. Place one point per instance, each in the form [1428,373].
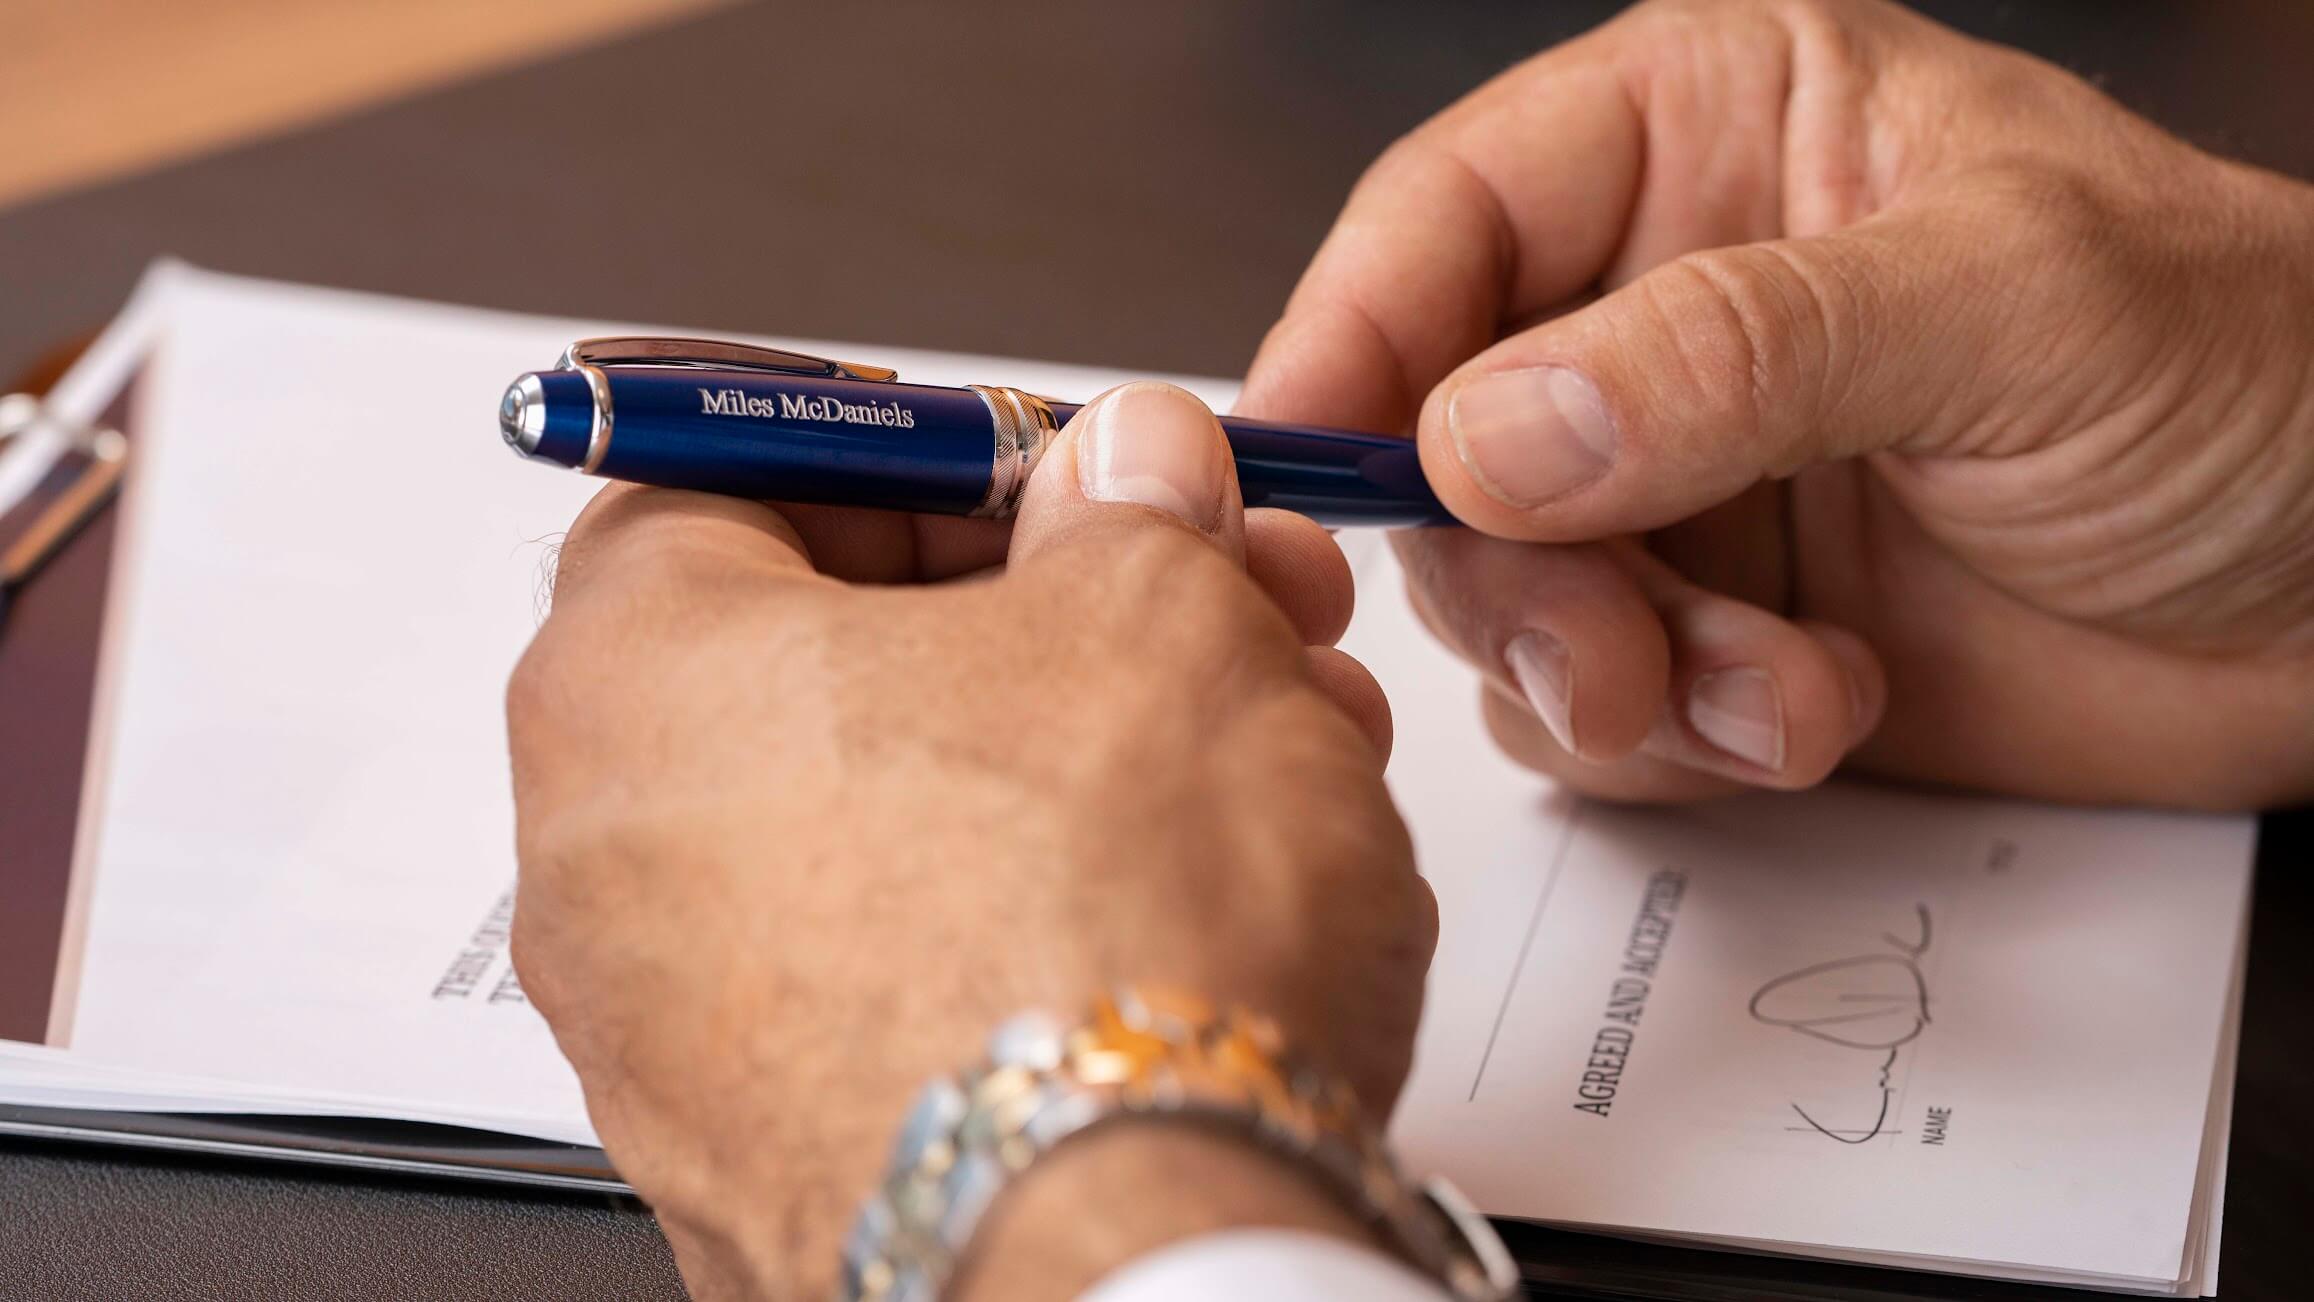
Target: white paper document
[296,863]
[1881,1026]
[1884,1026]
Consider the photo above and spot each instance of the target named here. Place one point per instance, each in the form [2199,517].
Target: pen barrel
[1332,476]
[904,447]
[901,447]
[1336,477]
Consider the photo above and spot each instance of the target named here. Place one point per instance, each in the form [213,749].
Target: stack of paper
[1964,1035]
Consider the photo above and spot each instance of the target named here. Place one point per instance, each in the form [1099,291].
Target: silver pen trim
[599,421]
[1023,426]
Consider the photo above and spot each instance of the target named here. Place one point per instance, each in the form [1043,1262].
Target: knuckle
[1689,11]
[1781,324]
[1813,11]
[652,539]
[1825,17]
[643,547]
[614,504]
[2056,208]
[1835,44]
[532,956]
[598,519]
[1161,628]
[1678,33]
[1170,570]
[2064,233]
[1731,325]
[1406,155]
[1709,304]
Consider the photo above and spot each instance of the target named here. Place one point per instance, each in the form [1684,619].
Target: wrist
[1141,1057]
[1125,1190]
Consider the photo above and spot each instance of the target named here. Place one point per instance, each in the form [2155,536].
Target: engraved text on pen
[794,406]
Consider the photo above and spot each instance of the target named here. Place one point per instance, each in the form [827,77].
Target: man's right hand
[791,846]
[1821,384]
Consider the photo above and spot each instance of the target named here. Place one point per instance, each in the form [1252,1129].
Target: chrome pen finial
[522,415]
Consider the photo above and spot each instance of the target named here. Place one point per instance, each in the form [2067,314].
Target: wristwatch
[1142,1053]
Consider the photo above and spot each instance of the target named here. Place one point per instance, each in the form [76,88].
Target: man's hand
[1822,384]
[791,846]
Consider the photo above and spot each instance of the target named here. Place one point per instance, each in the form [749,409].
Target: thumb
[1141,456]
[1715,371]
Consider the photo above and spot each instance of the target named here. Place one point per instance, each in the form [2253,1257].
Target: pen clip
[712,354]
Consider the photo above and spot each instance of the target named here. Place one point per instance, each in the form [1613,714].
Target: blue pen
[764,423]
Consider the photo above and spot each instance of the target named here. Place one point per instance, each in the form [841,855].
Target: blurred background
[114,85]
[884,172]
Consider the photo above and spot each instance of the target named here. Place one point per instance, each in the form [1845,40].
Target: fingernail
[1156,445]
[1539,664]
[1738,711]
[1531,436]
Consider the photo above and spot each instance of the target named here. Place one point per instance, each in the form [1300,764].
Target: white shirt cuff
[1268,1265]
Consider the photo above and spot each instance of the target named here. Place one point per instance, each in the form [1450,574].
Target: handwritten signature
[1876,1003]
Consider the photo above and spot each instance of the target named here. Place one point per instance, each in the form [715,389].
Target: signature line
[1534,923]
[1888,1064]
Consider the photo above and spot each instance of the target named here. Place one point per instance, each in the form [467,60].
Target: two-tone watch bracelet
[1141,1054]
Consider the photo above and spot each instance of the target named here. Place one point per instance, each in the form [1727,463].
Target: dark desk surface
[1133,185]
